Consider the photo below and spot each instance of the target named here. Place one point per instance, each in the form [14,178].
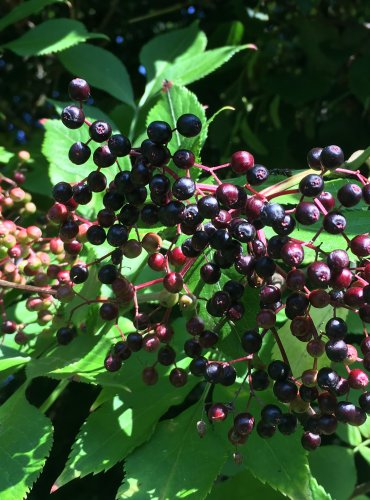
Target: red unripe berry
[217,412]
[57,213]
[176,257]
[358,379]
[173,282]
[241,161]
[157,261]
[149,375]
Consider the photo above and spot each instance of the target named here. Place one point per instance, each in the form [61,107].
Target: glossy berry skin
[79,274]
[285,390]
[287,424]
[307,213]
[178,377]
[337,259]
[213,372]
[100,131]
[241,161]
[166,356]
[79,89]
[183,188]
[112,363]
[119,145]
[360,245]
[292,254]
[96,235]
[244,423]
[257,175]
[285,226]
[79,153]
[271,414]
[313,158]
[272,213]
[210,273]
[72,117]
[188,125]
[364,402]
[260,380]
[62,192]
[334,223]
[65,335]
[117,235]
[183,158]
[319,274]
[311,185]
[217,412]
[103,157]
[107,274]
[336,350]
[159,132]
[82,194]
[173,282]
[251,341]
[310,441]
[349,195]
[327,378]
[336,328]
[327,200]
[278,370]
[358,379]
[265,430]
[96,181]
[331,157]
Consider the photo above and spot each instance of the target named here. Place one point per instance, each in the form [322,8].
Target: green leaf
[365,452]
[236,487]
[26,440]
[51,36]
[5,155]
[180,58]
[317,491]
[349,434]
[358,158]
[184,465]
[107,73]
[125,421]
[365,429]
[23,10]
[10,358]
[334,468]
[172,104]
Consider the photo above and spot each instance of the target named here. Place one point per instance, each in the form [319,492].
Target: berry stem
[27,288]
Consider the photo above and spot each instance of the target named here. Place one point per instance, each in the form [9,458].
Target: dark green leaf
[237,486]
[334,468]
[107,73]
[10,358]
[23,10]
[51,36]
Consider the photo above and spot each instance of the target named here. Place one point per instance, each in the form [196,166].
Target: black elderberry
[251,341]
[287,424]
[72,117]
[311,185]
[103,157]
[129,215]
[82,194]
[113,200]
[65,335]
[96,235]
[183,158]
[119,145]
[198,366]
[331,157]
[213,372]
[96,181]
[79,153]
[79,89]
[278,370]
[208,206]
[189,125]
[117,235]
[62,192]
[107,274]
[183,188]
[159,132]
[100,131]
[79,273]
[257,175]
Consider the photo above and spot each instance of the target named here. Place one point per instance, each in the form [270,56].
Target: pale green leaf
[181,464]
[358,158]
[23,10]
[5,155]
[11,358]
[365,452]
[317,491]
[107,72]
[349,434]
[26,440]
[51,36]
[334,468]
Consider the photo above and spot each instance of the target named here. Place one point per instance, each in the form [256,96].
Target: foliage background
[307,85]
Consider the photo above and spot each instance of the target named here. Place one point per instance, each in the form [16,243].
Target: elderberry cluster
[224,228]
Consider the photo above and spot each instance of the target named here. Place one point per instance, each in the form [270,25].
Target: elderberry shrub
[212,247]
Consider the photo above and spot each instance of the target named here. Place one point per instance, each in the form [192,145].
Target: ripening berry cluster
[224,226]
